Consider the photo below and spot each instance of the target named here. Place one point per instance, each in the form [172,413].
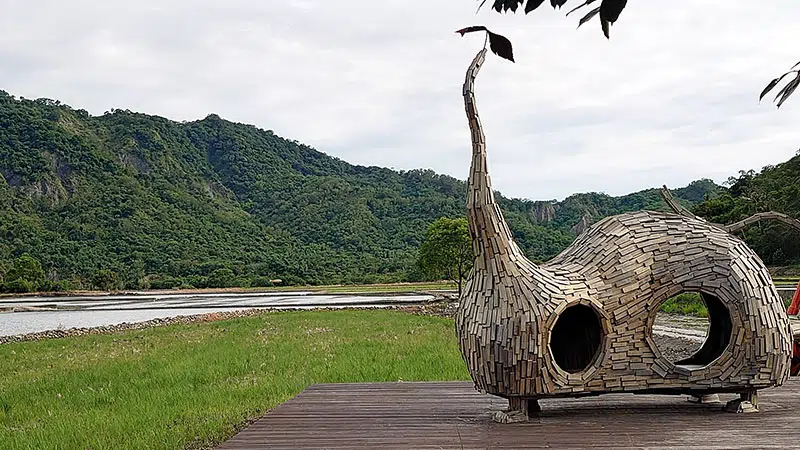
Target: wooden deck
[453,415]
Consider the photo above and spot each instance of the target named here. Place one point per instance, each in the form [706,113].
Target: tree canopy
[446,252]
[608,12]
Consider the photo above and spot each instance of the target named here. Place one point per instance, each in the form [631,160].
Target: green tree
[106,280]
[446,251]
[221,278]
[28,269]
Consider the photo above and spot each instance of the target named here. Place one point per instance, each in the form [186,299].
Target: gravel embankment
[675,349]
[53,334]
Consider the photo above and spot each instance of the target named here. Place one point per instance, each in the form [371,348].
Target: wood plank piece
[454,415]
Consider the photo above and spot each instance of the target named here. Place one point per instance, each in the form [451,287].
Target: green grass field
[194,385]
[689,304]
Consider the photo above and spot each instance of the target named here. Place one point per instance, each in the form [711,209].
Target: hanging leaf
[789,89]
[586,3]
[605,25]
[471,29]
[532,5]
[609,13]
[782,91]
[769,87]
[589,16]
[501,46]
[611,9]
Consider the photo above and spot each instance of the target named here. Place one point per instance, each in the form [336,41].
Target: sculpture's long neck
[491,238]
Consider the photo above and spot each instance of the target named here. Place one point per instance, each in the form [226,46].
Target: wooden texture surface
[453,415]
[623,268]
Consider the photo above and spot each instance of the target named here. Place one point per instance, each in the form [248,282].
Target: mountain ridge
[161,203]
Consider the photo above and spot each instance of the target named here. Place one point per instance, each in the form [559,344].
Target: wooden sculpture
[582,323]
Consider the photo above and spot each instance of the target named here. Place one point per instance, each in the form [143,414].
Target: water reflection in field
[35,314]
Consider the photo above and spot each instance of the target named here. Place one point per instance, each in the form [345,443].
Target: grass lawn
[688,303]
[193,385]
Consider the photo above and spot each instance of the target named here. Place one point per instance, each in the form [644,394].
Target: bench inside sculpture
[581,324]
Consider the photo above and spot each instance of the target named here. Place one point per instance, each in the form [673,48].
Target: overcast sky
[672,97]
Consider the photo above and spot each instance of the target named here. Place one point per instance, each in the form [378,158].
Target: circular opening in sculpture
[692,330]
[576,338]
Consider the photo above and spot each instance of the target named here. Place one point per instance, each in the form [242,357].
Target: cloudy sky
[672,97]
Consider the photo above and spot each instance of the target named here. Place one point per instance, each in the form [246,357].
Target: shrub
[18,286]
[221,278]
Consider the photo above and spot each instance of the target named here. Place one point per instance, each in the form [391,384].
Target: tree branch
[674,204]
[734,227]
[757,217]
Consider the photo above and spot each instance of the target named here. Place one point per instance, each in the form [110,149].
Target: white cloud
[672,97]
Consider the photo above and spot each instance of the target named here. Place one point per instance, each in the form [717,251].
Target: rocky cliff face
[582,225]
[543,212]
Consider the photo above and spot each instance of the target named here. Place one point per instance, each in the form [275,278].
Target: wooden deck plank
[454,415]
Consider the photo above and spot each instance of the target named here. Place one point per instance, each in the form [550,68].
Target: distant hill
[774,188]
[141,201]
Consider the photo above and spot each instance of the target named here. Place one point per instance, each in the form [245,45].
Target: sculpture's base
[519,410]
[709,398]
[746,403]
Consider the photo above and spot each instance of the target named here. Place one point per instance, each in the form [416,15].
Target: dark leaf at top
[586,3]
[788,89]
[471,29]
[769,87]
[589,16]
[611,9]
[501,46]
[772,84]
[532,5]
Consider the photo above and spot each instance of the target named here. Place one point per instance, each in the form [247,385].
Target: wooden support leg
[707,398]
[746,403]
[519,410]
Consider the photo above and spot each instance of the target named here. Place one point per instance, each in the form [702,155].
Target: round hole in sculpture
[576,338]
[681,323]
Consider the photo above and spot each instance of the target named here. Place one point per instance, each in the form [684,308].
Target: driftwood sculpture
[582,323]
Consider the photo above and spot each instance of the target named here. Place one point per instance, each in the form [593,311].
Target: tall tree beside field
[446,252]
[26,275]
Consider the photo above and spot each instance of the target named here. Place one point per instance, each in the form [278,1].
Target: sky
[672,96]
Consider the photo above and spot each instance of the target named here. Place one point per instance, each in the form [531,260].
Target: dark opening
[718,337]
[576,338]
[710,312]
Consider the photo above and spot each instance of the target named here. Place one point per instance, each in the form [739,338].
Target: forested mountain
[775,188]
[132,200]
